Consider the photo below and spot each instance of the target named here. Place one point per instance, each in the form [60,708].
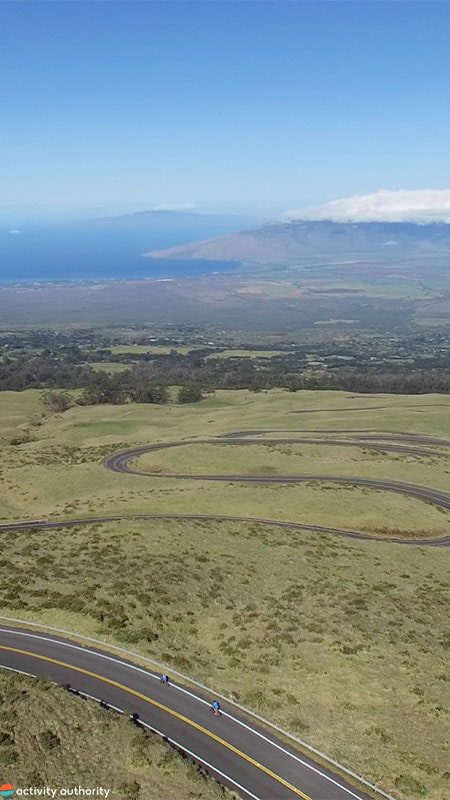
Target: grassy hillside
[51,738]
[341,641]
[59,471]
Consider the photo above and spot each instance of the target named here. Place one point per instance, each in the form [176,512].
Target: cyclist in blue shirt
[215,708]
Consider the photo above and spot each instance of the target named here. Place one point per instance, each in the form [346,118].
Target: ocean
[42,254]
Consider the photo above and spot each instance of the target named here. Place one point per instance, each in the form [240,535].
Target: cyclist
[215,708]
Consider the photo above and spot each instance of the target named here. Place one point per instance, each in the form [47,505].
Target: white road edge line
[194,697]
[276,745]
[19,671]
[150,728]
[253,714]
[201,760]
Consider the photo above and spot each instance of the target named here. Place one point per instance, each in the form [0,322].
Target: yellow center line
[167,710]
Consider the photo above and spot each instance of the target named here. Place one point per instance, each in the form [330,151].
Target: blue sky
[233,105]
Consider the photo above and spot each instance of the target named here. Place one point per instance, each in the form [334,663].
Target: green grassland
[240,353]
[108,366]
[294,459]
[59,472]
[51,738]
[341,641]
[18,412]
[156,349]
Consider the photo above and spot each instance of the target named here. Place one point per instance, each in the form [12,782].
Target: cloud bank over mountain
[405,205]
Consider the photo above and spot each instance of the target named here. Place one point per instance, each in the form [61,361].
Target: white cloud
[405,205]
[174,207]
[14,231]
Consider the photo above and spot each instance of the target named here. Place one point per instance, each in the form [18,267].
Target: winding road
[400,443]
[240,754]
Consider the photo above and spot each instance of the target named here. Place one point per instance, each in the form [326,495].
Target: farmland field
[241,353]
[153,349]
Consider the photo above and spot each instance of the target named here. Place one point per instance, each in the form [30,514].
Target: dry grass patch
[51,738]
[340,641]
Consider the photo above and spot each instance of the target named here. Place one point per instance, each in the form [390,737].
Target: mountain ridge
[291,241]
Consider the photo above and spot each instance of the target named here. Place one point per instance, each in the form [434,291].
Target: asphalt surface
[123,463]
[238,753]
[43,524]
[233,749]
[368,435]
[365,408]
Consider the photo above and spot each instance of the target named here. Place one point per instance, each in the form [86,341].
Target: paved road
[367,435]
[234,749]
[122,463]
[367,408]
[119,462]
[44,524]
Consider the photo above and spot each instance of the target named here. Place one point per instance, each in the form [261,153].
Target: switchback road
[122,463]
[234,750]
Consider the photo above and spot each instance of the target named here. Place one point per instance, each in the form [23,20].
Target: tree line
[149,382]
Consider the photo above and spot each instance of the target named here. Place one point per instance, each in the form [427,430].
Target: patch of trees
[149,382]
[42,372]
[190,394]
[125,387]
[416,382]
[57,402]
